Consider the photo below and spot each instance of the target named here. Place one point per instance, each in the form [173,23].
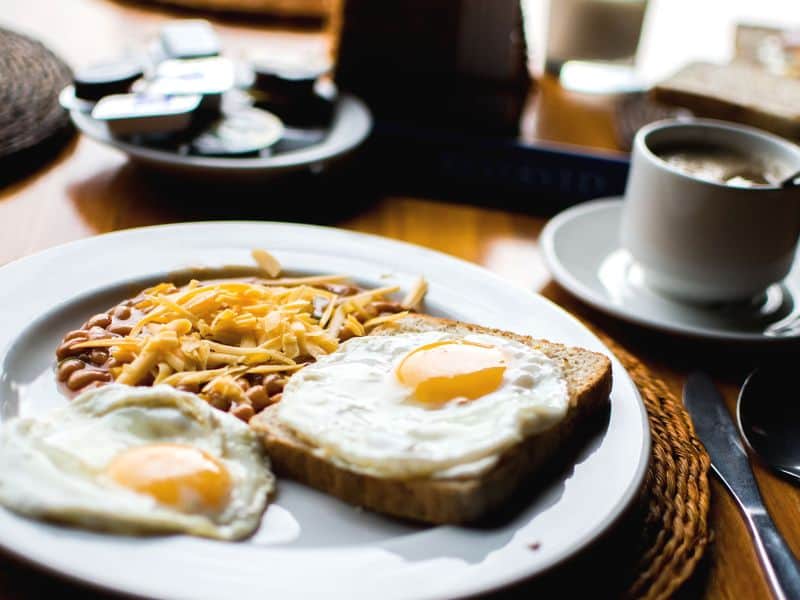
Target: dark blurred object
[535,178]
[455,64]
[634,111]
[33,126]
[313,111]
[447,81]
[287,80]
[298,93]
[737,92]
[103,79]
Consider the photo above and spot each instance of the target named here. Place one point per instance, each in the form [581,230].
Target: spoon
[792,181]
[768,416]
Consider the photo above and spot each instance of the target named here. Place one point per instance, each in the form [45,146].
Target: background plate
[351,125]
[309,545]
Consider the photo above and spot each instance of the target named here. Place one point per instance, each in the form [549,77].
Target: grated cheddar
[226,339]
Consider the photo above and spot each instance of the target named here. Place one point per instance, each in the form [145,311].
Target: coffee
[698,218]
[720,165]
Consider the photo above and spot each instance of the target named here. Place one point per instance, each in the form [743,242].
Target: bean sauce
[80,369]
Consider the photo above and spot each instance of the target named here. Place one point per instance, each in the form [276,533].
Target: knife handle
[780,566]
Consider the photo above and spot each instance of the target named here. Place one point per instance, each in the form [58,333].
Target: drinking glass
[591,44]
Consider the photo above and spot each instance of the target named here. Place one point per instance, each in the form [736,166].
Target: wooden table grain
[90,189]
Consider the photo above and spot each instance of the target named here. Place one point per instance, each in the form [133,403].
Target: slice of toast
[735,92]
[456,499]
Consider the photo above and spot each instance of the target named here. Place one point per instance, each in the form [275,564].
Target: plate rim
[576,287]
[622,503]
[284,162]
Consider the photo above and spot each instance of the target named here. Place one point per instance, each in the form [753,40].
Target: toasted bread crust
[457,499]
[716,91]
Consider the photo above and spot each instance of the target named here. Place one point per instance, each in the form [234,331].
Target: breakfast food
[418,404]
[234,342]
[137,460]
[431,419]
[721,165]
[735,92]
[349,390]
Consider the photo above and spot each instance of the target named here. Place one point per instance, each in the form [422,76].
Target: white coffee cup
[704,241]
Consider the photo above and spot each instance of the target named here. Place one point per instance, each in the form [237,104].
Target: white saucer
[581,249]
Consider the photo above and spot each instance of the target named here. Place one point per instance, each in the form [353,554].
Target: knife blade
[715,428]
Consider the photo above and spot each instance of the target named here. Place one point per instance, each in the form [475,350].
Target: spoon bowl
[768,417]
[792,181]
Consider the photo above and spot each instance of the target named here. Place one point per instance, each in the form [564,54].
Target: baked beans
[80,369]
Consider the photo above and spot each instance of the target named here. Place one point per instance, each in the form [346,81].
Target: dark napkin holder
[450,64]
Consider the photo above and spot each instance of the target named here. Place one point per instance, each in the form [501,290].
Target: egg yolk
[444,371]
[182,477]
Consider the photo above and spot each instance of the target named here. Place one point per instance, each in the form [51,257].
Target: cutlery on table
[768,416]
[716,430]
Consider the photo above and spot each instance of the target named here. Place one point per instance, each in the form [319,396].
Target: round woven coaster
[31,120]
[675,495]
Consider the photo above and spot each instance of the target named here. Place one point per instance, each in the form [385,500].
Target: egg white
[352,408]
[52,466]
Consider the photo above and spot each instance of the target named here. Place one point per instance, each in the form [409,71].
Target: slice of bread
[456,499]
[735,92]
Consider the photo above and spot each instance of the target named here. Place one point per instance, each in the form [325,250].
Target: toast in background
[454,499]
[738,92]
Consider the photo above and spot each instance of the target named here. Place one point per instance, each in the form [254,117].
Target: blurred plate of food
[179,105]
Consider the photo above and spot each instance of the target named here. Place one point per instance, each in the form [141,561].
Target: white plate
[351,124]
[309,545]
[581,249]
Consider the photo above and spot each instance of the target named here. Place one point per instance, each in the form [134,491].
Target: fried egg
[136,460]
[423,404]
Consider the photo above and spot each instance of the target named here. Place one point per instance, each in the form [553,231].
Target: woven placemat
[32,123]
[675,496]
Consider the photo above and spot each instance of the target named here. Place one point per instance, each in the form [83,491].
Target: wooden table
[90,189]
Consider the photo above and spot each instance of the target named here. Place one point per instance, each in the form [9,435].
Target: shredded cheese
[268,263]
[415,295]
[206,335]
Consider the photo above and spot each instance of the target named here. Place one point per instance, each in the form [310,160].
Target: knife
[716,430]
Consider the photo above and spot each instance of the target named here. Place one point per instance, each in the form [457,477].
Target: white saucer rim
[576,287]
